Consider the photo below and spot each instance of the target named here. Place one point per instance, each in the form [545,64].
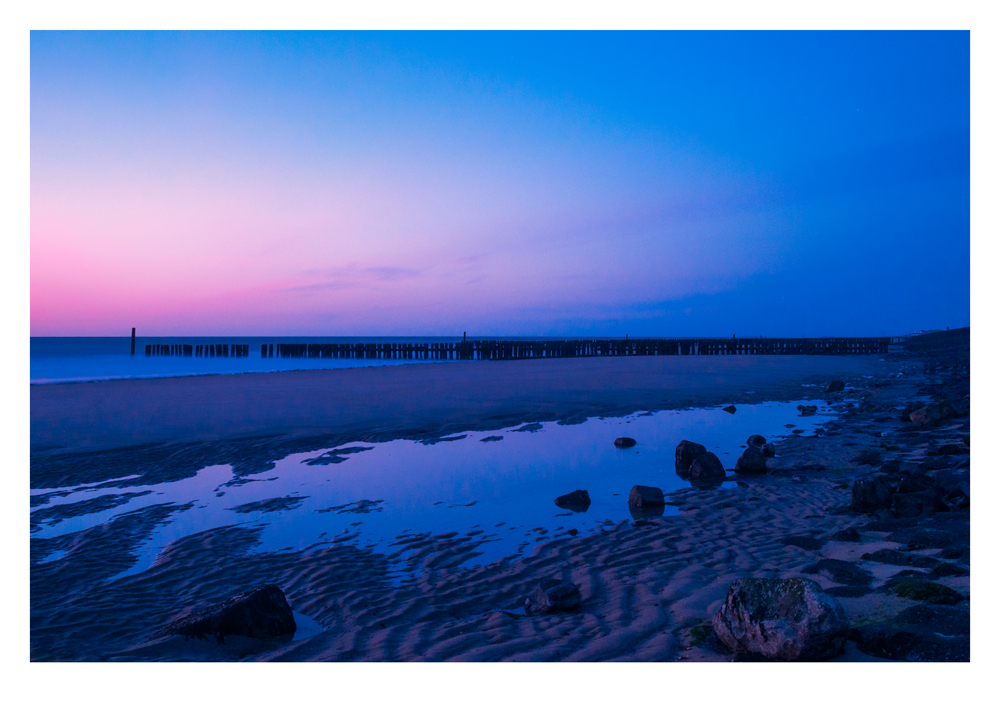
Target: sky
[499,183]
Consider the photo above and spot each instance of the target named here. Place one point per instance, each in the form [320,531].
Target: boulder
[642,496]
[848,535]
[751,462]
[729,409]
[706,468]
[259,613]
[553,596]
[756,441]
[578,501]
[870,495]
[781,620]
[807,410]
[843,572]
[834,386]
[624,442]
[917,496]
[685,452]
[767,450]
[926,416]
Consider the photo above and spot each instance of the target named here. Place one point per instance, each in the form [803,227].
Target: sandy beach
[649,587]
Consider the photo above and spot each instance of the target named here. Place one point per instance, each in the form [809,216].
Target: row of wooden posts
[528,349]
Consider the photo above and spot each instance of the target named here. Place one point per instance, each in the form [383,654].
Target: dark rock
[891,467]
[781,620]
[650,511]
[756,440]
[684,454]
[809,543]
[918,589]
[919,537]
[890,642]
[642,496]
[849,535]
[867,457]
[948,570]
[834,386]
[751,462]
[917,504]
[707,468]
[945,619]
[767,450]
[957,553]
[624,442]
[926,416]
[870,495]
[940,463]
[807,410]
[578,501]
[890,556]
[259,613]
[951,449]
[841,572]
[742,484]
[553,596]
[729,409]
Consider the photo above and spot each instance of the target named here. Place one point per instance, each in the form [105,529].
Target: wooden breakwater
[484,349]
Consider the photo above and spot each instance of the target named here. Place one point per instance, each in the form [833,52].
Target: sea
[56,360]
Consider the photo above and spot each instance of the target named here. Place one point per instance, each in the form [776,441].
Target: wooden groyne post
[133,342]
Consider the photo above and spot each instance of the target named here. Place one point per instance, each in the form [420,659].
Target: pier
[487,349]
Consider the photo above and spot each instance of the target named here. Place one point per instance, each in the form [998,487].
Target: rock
[842,572]
[848,535]
[951,449]
[578,501]
[685,452]
[729,409]
[624,442]
[553,596]
[917,496]
[742,484]
[767,450]
[871,495]
[891,556]
[915,588]
[948,570]
[751,462]
[756,441]
[918,537]
[642,496]
[926,416]
[259,613]
[834,386]
[781,620]
[890,642]
[805,410]
[867,457]
[707,468]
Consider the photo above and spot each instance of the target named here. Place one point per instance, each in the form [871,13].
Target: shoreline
[649,587]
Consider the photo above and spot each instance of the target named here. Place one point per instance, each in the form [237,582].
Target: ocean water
[495,486]
[56,360]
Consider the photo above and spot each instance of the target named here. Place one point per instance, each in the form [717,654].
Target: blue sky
[502,183]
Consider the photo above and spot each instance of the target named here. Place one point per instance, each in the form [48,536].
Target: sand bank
[411,400]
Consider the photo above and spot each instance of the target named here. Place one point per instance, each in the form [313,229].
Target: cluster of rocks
[262,612]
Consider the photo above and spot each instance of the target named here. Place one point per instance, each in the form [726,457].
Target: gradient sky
[522,183]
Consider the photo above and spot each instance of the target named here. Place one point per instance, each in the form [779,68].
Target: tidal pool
[494,486]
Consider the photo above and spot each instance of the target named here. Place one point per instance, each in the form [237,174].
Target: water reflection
[501,493]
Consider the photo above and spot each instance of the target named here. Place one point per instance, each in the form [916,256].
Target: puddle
[384,495]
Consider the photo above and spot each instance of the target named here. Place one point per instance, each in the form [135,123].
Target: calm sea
[87,359]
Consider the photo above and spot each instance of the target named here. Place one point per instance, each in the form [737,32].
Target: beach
[649,588]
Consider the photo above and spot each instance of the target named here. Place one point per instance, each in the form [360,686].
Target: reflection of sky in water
[425,488]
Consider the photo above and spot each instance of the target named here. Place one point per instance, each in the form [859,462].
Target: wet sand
[410,400]
[649,588]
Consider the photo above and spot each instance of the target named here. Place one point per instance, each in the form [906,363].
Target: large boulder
[553,596]
[767,450]
[751,462]
[643,497]
[624,442]
[781,620]
[917,496]
[259,613]
[706,468]
[729,409]
[578,501]
[686,452]
[926,416]
[756,441]
[834,386]
[870,495]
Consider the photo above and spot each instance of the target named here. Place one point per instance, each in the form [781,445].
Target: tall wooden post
[133,342]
